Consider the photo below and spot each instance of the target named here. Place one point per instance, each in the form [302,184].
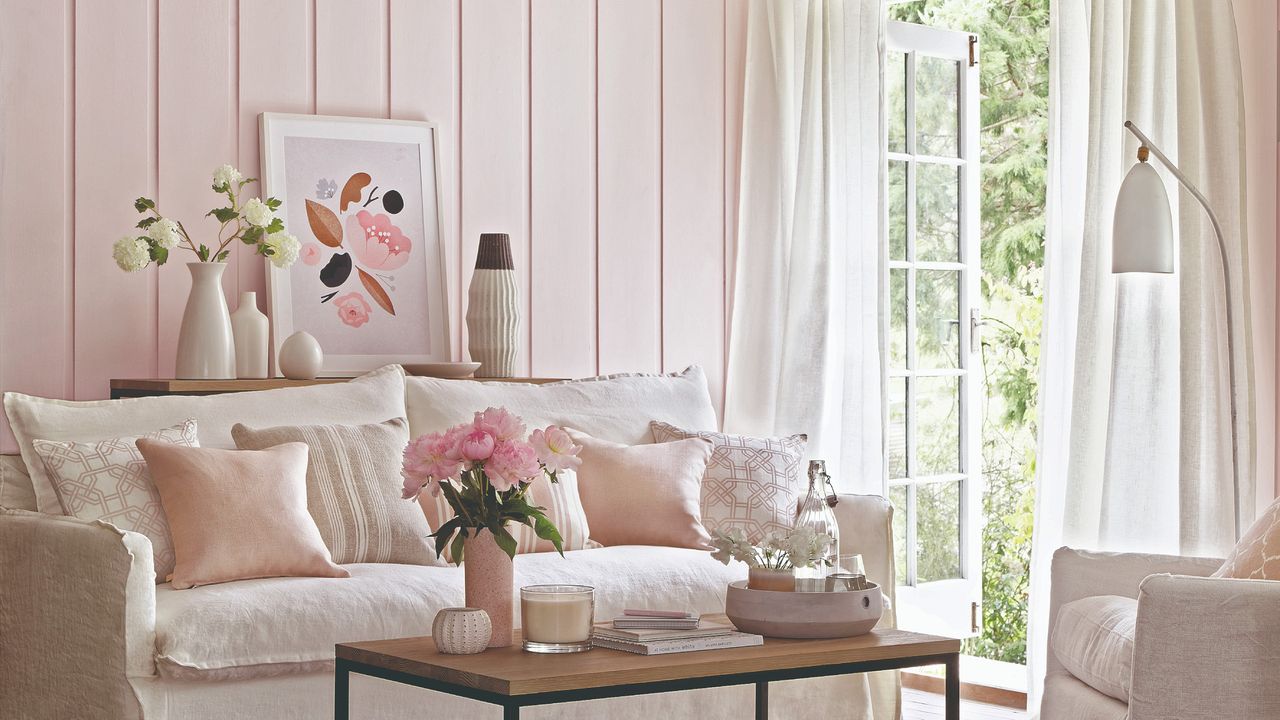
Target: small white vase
[493,308]
[461,631]
[300,357]
[206,348]
[250,328]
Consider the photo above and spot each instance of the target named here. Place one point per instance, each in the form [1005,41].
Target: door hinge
[975,329]
[973,50]
[975,617]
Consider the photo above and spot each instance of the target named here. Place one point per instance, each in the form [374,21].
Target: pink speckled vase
[490,577]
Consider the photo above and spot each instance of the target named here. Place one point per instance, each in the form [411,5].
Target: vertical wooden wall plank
[36,109]
[495,138]
[114,161]
[351,57]
[735,61]
[629,134]
[693,188]
[562,191]
[274,57]
[425,85]
[196,134]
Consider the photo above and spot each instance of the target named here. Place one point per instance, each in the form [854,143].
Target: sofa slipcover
[1093,639]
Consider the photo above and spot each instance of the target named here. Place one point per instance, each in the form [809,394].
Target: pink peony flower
[353,309]
[501,424]
[312,254]
[375,242]
[476,445]
[512,463]
[555,448]
[431,457]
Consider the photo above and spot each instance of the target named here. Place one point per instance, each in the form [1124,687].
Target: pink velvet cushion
[237,514]
[643,494]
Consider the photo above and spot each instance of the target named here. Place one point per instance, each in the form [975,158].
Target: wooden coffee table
[514,679]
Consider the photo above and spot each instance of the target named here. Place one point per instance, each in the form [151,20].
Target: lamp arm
[1226,284]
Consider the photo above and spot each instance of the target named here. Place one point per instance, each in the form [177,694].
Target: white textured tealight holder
[461,631]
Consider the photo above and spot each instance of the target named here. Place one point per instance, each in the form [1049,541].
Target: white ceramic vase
[250,329]
[300,357]
[461,631]
[493,308]
[206,348]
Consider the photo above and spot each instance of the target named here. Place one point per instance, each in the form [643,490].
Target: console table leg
[341,691]
[510,712]
[953,687]
[762,700]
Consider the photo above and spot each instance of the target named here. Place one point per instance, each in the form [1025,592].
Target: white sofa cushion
[374,397]
[617,408]
[1093,639]
[258,628]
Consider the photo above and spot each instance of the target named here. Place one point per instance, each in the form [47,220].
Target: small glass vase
[816,513]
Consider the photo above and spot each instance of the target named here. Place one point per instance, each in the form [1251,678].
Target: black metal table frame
[511,704]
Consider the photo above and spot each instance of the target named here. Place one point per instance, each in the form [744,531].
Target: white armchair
[1200,647]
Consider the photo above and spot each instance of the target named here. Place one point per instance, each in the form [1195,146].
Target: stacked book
[653,636]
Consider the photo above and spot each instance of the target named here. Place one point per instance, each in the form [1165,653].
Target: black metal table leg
[510,712]
[762,700]
[341,690]
[953,687]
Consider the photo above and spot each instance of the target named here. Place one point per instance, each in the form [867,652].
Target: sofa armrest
[1205,648]
[1080,574]
[77,615]
[866,527]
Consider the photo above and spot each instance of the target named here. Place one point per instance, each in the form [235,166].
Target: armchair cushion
[1093,639]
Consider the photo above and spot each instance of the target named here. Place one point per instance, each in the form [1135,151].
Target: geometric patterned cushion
[751,483]
[1257,554]
[108,480]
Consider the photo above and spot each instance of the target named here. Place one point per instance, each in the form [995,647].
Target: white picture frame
[379,307]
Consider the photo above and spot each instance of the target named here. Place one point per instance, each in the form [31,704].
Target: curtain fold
[1135,426]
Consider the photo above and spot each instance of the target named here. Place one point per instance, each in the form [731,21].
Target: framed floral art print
[363,198]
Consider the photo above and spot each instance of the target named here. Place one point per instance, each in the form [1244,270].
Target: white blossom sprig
[797,548]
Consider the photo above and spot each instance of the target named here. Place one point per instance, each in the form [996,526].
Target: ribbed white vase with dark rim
[206,349]
[493,308]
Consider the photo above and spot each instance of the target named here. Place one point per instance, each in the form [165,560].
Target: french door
[934,449]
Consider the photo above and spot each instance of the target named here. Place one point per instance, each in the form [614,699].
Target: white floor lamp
[1142,241]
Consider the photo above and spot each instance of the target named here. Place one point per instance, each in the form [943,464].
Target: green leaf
[543,528]
[273,203]
[504,539]
[143,204]
[159,255]
[276,225]
[148,221]
[203,253]
[444,533]
[252,235]
[456,548]
[225,214]
[222,256]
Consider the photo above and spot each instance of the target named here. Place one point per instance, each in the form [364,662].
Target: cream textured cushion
[751,483]
[613,407]
[237,514]
[643,494]
[381,601]
[1257,554]
[1093,639]
[108,480]
[353,489]
[373,397]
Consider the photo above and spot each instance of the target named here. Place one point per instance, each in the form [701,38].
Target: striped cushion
[353,489]
[563,508]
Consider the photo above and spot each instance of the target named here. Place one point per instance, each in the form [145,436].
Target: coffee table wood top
[512,672]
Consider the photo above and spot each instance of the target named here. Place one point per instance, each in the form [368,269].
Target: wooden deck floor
[917,705]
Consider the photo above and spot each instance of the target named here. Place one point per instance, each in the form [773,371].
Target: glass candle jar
[557,618]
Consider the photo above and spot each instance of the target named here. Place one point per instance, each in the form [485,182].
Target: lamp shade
[1142,232]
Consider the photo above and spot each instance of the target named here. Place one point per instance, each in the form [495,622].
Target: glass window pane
[898,498]
[897,427]
[936,403]
[937,531]
[937,213]
[896,101]
[937,319]
[898,318]
[897,210]
[937,106]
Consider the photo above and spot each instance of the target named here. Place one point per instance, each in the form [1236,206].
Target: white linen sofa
[1152,637]
[85,631]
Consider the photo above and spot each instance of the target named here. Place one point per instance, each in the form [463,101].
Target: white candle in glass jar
[557,613]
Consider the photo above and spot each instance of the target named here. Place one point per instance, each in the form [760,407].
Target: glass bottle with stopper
[815,512]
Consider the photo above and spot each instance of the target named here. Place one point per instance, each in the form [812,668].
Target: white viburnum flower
[285,249]
[131,254]
[257,213]
[226,176]
[165,232]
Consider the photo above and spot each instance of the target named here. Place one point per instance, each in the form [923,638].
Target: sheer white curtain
[805,342]
[1135,448]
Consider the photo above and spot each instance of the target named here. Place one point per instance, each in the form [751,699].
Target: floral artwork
[370,280]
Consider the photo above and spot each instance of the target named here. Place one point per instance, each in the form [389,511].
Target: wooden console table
[150,387]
